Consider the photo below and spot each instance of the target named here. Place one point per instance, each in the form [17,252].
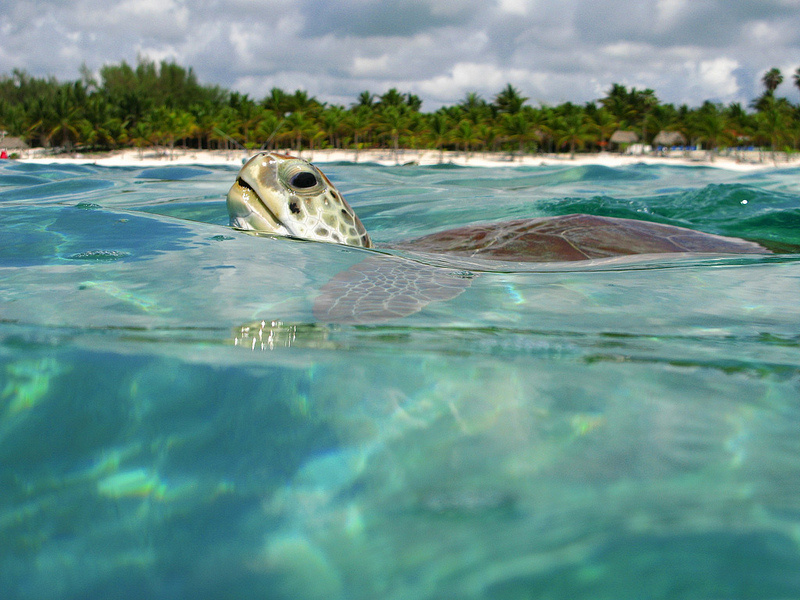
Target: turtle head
[288,196]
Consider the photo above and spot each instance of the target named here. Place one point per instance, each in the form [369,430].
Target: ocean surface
[176,423]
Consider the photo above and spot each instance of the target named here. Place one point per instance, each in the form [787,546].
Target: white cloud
[155,19]
[159,53]
[152,9]
[462,78]
[483,78]
[453,8]
[245,43]
[718,74]
[514,7]
[668,12]
[552,50]
[364,66]
[625,50]
[761,32]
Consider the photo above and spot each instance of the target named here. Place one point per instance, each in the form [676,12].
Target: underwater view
[177,421]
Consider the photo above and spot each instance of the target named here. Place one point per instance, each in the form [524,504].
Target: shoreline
[747,161]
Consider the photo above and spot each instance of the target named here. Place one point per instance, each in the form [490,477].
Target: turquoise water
[175,424]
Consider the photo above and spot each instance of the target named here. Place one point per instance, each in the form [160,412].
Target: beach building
[623,139]
[9,145]
[669,139]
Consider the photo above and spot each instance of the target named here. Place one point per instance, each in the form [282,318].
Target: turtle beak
[248,209]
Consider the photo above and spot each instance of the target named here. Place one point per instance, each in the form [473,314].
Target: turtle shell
[381,288]
[575,237]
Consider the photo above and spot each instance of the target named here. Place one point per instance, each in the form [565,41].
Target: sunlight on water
[176,423]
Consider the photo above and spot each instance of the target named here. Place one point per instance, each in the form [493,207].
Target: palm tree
[300,126]
[792,132]
[488,135]
[573,129]
[365,98]
[277,101]
[472,101]
[662,117]
[631,108]
[605,125]
[37,113]
[333,119]
[618,102]
[394,121]
[360,121]
[12,117]
[205,116]
[772,79]
[711,126]
[268,128]
[509,100]
[516,127]
[227,129]
[250,115]
[738,125]
[413,102]
[159,127]
[182,125]
[772,120]
[475,108]
[65,118]
[538,120]
[392,98]
[132,105]
[685,123]
[302,102]
[100,127]
[142,134]
[466,134]
[645,101]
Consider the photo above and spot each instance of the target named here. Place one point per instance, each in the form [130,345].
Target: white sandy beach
[151,158]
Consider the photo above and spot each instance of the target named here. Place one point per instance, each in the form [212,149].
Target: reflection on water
[175,423]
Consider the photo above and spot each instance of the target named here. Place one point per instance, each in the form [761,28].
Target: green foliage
[772,79]
[163,104]
[509,100]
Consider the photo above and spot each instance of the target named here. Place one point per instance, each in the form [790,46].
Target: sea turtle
[289,196]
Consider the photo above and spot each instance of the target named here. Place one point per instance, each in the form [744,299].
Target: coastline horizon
[745,161]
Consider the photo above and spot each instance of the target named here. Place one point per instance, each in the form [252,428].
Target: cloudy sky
[551,50]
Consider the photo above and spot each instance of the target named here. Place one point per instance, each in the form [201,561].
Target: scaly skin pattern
[280,194]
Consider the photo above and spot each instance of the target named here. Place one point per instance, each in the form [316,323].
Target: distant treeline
[164,105]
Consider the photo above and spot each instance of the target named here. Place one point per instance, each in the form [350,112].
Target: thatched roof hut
[624,137]
[669,138]
[13,143]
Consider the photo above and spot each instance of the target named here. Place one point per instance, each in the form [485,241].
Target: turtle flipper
[383,288]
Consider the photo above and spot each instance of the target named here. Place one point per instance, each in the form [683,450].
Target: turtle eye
[303,180]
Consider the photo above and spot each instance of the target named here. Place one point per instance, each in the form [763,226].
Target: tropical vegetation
[163,105]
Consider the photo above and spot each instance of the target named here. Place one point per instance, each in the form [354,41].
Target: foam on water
[175,424]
